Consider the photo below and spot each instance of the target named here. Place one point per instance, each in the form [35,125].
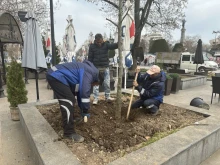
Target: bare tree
[190,43]
[39,7]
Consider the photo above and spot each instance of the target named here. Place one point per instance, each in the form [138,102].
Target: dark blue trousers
[154,104]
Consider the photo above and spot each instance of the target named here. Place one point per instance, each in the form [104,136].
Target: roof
[9,29]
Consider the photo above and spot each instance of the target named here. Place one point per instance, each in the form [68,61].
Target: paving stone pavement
[14,149]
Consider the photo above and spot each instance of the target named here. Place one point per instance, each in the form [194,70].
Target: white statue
[70,39]
[91,38]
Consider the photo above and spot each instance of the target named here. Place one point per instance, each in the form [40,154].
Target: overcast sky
[202,18]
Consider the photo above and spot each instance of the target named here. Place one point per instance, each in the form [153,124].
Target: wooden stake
[132,94]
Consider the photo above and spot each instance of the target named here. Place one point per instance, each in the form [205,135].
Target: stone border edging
[189,146]
[42,138]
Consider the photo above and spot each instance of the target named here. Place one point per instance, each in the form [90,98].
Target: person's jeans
[106,84]
[146,103]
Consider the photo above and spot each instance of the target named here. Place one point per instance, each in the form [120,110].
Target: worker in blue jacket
[67,81]
[151,88]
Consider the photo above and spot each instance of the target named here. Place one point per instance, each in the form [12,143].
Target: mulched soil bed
[107,140]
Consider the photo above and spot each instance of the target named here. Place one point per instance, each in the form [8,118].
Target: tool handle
[132,94]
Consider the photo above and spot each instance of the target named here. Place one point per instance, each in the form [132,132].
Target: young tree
[119,93]
[143,9]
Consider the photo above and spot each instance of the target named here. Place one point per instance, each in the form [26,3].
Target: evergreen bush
[174,75]
[160,45]
[178,48]
[17,93]
[168,76]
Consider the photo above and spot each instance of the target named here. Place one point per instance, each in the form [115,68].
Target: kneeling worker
[151,87]
[67,81]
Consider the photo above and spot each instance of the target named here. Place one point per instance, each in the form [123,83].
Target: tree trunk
[135,45]
[119,102]
[137,32]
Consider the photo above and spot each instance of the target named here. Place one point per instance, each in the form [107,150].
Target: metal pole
[3,63]
[1,89]
[125,83]
[37,88]
[52,37]
[25,69]
[52,34]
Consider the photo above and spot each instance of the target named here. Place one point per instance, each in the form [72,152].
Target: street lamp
[52,34]
[215,32]
[1,88]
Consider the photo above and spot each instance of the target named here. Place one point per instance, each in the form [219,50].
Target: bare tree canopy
[190,43]
[40,8]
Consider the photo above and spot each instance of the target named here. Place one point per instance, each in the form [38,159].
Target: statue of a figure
[183,23]
[70,35]
[91,38]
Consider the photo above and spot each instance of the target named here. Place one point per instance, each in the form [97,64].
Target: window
[193,58]
[186,58]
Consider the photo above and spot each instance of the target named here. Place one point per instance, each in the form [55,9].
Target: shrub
[178,48]
[17,94]
[174,75]
[168,77]
[159,46]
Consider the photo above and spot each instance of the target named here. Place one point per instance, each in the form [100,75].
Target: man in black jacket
[98,55]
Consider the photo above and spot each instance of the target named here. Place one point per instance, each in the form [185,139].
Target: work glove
[85,116]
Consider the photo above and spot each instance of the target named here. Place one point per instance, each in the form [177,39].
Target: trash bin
[198,102]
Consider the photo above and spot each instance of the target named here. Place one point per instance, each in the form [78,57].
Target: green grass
[158,136]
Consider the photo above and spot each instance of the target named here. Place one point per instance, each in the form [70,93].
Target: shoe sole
[80,141]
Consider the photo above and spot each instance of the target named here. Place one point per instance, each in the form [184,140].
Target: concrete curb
[42,138]
[189,146]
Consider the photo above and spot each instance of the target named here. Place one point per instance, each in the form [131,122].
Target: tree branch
[162,23]
[112,22]
[151,24]
[147,13]
[144,10]
[111,3]
[158,7]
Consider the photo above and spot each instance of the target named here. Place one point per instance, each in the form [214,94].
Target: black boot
[75,137]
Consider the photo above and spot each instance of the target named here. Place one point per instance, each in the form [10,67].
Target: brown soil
[107,140]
